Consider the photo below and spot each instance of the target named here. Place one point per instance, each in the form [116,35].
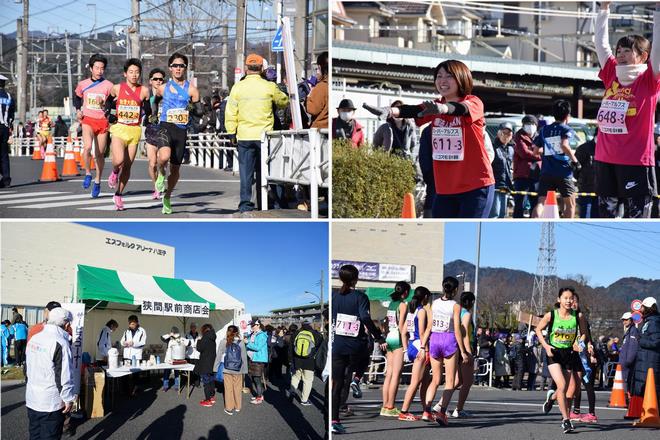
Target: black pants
[340,364]
[4,156]
[591,394]
[258,386]
[209,385]
[45,425]
[20,351]
[361,363]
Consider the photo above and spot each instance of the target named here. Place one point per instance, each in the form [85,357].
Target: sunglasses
[182,66]
[157,78]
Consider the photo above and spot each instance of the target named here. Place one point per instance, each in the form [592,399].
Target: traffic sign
[636,305]
[637,317]
[277,45]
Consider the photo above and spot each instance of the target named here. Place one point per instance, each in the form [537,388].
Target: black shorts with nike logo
[624,181]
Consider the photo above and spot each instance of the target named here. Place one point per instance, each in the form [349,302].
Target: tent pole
[75,285]
[93,307]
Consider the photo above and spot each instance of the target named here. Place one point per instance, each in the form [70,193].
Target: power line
[54,8]
[597,225]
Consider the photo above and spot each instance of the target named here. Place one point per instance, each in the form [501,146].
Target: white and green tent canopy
[114,286]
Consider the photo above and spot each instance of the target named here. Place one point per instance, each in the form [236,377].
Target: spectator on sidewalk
[396,136]
[502,169]
[586,179]
[61,129]
[317,100]
[629,347]
[648,354]
[345,126]
[305,345]
[526,166]
[248,114]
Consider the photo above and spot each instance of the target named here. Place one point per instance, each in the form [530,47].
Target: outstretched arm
[602,42]
[655,46]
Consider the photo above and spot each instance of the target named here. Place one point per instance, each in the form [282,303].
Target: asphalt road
[497,414]
[154,414]
[200,193]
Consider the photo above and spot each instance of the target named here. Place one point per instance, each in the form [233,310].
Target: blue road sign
[277,45]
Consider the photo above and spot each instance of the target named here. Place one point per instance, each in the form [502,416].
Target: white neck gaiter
[629,73]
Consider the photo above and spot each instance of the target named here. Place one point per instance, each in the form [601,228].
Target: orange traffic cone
[49,170]
[69,168]
[76,152]
[550,209]
[36,152]
[408,210]
[618,396]
[634,408]
[650,417]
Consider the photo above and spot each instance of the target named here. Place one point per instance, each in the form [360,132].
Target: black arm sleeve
[146,108]
[77,102]
[411,111]
[110,104]
[197,109]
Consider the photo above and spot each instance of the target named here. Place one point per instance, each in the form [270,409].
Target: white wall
[38,260]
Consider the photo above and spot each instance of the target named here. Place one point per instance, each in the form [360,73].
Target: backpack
[304,344]
[233,360]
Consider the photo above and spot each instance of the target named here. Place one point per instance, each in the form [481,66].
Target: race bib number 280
[447,143]
[612,116]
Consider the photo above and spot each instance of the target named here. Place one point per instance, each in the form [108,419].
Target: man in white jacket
[134,339]
[104,342]
[49,391]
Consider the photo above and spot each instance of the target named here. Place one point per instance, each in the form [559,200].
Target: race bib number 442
[612,116]
[128,114]
[447,143]
[347,325]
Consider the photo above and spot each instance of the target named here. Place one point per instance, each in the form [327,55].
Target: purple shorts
[442,345]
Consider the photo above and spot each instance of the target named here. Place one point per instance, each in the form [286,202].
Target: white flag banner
[77,329]
[243,323]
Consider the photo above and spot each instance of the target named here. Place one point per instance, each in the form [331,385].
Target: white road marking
[107,199]
[379,403]
[30,194]
[49,199]
[128,205]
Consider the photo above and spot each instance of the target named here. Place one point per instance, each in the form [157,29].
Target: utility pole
[300,33]
[21,69]
[135,30]
[322,319]
[241,21]
[68,72]
[225,55]
[476,276]
[79,73]
[279,54]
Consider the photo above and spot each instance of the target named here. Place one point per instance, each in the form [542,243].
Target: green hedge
[367,183]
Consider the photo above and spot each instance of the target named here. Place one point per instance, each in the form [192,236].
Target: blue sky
[75,16]
[266,265]
[603,251]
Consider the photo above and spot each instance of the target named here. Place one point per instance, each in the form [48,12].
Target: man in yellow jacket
[248,115]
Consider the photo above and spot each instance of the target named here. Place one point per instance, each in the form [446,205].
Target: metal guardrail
[483,367]
[298,157]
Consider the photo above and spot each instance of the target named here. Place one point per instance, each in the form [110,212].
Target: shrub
[367,183]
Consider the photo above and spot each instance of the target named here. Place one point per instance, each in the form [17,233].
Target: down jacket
[648,356]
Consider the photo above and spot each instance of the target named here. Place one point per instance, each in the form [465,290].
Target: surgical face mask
[236,339]
[530,129]
[345,116]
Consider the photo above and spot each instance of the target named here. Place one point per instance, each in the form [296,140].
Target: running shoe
[96,190]
[589,418]
[155,195]
[112,180]
[437,407]
[547,406]
[305,403]
[160,182]
[119,203]
[566,426]
[212,399]
[167,205]
[357,392]
[575,416]
[462,414]
[338,428]
[441,419]
[229,412]
[257,401]
[392,412]
[87,181]
[206,403]
[346,411]
[408,417]
[429,416]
